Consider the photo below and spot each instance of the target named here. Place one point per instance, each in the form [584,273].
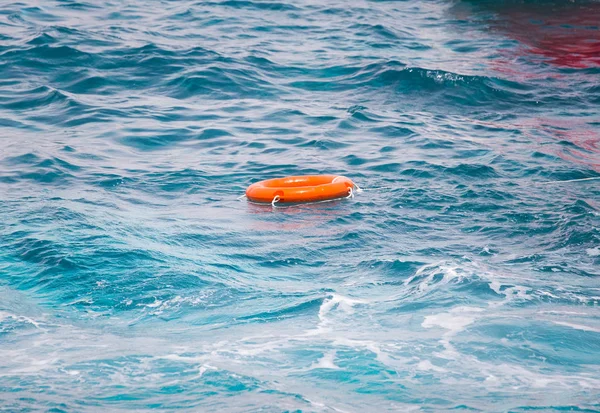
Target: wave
[258,5]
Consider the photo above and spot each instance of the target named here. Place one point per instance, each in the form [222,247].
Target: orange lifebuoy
[296,189]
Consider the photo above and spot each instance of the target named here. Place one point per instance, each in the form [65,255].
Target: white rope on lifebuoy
[275,200]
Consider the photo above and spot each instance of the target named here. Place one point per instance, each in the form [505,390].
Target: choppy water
[133,279]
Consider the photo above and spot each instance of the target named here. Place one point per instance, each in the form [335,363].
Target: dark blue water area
[464,277]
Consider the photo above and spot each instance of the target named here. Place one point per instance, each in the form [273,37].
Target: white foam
[547,294]
[335,300]
[177,357]
[83,300]
[562,312]
[432,276]
[503,375]
[155,304]
[204,368]
[326,362]
[425,365]
[593,252]
[452,320]
[491,379]
[449,273]
[516,292]
[246,349]
[375,348]
[577,326]
[159,306]
[6,315]
[495,286]
[448,321]
[324,406]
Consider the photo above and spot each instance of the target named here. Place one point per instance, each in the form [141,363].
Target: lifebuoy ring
[297,189]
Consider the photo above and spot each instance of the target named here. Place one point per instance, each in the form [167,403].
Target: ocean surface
[465,277]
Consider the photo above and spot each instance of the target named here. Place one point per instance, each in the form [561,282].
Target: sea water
[464,277]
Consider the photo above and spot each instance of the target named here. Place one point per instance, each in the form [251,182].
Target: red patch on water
[585,141]
[565,34]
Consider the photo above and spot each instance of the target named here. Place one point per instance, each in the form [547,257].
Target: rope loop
[275,200]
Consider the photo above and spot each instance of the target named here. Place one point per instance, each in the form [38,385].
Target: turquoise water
[464,277]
